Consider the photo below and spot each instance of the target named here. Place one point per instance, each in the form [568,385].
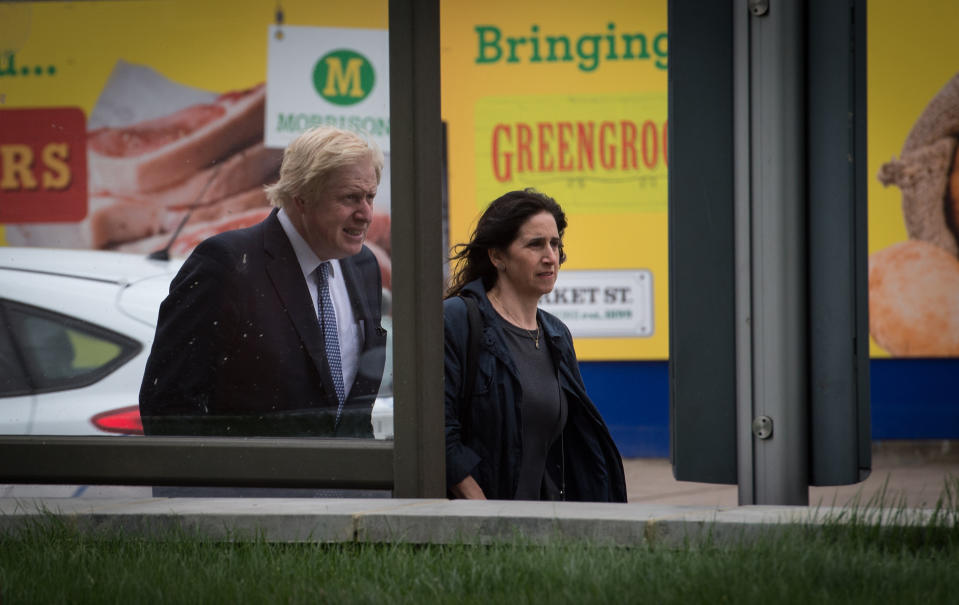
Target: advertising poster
[570,99]
[913,97]
[141,126]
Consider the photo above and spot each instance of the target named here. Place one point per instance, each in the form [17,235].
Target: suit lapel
[284,271]
[361,307]
[374,336]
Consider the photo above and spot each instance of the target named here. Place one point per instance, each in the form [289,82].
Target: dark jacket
[485,441]
[239,351]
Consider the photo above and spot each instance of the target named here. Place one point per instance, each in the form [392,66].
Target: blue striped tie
[328,323]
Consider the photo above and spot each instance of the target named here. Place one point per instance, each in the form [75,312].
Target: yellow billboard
[141,126]
[913,98]
[569,98]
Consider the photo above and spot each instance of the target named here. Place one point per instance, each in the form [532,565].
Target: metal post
[416,143]
[771,306]
[743,257]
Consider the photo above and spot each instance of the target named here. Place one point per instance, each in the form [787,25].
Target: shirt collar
[305,256]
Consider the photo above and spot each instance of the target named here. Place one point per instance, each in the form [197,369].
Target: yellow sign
[568,98]
[570,95]
[599,154]
[156,93]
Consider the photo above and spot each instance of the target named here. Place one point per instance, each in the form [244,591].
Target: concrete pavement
[419,521]
[661,510]
[910,473]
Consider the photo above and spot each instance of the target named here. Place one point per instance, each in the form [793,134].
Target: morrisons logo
[343,77]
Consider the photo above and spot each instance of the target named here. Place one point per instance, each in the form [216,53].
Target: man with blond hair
[275,329]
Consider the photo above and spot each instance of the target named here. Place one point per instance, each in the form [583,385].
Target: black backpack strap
[472,359]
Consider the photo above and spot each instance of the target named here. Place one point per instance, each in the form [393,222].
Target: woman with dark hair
[528,430]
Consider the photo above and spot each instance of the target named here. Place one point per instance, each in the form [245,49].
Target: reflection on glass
[275,329]
[85,347]
[150,158]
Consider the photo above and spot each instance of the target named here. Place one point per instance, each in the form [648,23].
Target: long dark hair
[496,230]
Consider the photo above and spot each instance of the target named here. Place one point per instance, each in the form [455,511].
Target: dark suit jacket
[239,351]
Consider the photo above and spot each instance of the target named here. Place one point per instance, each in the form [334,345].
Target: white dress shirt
[348,328]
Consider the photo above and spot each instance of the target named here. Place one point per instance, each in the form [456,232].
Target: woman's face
[530,264]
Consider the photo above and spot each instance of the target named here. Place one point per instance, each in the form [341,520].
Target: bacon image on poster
[169,166]
[116,219]
[199,164]
[156,153]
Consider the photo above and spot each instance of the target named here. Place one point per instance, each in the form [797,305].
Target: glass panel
[152,156]
[168,136]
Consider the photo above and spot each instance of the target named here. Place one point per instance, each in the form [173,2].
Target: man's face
[335,224]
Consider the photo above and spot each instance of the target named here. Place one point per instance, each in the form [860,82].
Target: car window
[13,378]
[62,352]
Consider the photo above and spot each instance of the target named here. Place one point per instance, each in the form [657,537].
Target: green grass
[857,556]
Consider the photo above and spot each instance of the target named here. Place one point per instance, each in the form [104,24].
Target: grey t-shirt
[543,408]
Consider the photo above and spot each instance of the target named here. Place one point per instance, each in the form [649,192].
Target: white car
[76,328]
[75,334]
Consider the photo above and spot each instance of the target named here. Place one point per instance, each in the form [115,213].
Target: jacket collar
[553,330]
[495,340]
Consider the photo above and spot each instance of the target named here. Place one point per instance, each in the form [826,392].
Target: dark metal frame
[767,181]
[416,163]
[412,465]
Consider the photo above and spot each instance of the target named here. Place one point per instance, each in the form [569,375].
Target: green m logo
[343,77]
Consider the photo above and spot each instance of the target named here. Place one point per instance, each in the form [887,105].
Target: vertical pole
[742,253]
[416,152]
[776,283]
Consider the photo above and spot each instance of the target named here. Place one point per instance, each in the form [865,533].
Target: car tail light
[123,420]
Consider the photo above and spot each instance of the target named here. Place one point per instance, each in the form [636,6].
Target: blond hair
[313,156]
